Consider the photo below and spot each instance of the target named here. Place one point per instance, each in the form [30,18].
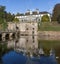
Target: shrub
[45,18]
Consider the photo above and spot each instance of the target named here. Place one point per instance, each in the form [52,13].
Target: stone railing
[49,35]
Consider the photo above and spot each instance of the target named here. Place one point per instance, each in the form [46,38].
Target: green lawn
[49,26]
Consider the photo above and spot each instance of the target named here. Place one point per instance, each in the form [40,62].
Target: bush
[58,19]
[45,18]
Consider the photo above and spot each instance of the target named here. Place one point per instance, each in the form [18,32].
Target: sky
[22,6]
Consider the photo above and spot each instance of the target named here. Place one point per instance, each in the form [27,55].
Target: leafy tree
[45,18]
[5,17]
[2,11]
[2,14]
[4,25]
[16,20]
[9,17]
[18,14]
[2,8]
[56,12]
[58,19]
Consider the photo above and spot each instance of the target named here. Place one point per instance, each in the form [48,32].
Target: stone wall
[49,35]
[24,27]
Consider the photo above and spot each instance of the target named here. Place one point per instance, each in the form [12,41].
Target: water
[28,47]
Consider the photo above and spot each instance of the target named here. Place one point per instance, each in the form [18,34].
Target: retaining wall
[49,35]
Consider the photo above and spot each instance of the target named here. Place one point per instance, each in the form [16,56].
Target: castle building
[28,27]
[33,16]
[28,33]
[25,28]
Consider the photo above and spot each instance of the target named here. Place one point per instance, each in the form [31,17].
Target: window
[33,41]
[33,37]
[22,34]
[33,28]
[32,32]
[26,40]
[22,20]
[26,28]
[26,34]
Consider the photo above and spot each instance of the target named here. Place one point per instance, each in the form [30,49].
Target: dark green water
[48,44]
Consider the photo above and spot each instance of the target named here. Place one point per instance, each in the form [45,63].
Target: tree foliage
[2,14]
[58,19]
[56,12]
[9,17]
[18,14]
[16,20]
[5,17]
[45,18]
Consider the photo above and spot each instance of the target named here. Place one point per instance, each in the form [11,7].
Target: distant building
[33,16]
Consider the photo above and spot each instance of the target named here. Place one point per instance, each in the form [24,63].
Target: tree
[5,17]
[58,19]
[2,8]
[9,17]
[2,17]
[2,14]
[16,20]
[4,25]
[45,18]
[56,12]
[18,14]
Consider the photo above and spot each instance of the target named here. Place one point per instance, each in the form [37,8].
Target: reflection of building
[27,42]
[33,16]
[16,58]
[10,44]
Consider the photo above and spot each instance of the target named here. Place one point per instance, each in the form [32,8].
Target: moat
[30,47]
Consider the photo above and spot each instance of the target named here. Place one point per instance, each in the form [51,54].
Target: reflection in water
[17,58]
[31,47]
[14,58]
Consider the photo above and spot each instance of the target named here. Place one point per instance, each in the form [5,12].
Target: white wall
[32,17]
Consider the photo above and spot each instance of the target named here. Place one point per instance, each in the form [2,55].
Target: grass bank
[49,26]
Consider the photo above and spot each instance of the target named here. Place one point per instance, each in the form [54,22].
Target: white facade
[30,16]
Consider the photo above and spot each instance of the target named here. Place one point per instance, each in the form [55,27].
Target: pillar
[3,35]
[10,35]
